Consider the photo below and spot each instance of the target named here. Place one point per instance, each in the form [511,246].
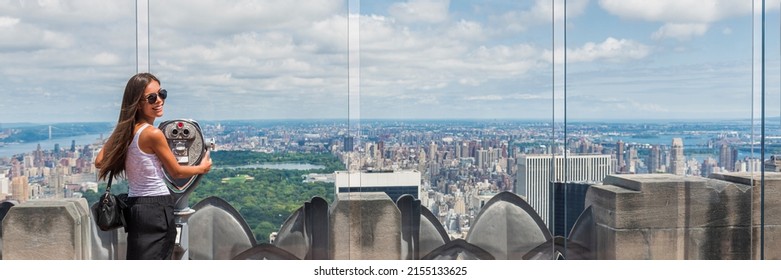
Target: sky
[68,61]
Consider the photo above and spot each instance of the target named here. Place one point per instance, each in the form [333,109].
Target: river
[10,149]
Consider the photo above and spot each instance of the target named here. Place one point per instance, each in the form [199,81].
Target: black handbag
[108,211]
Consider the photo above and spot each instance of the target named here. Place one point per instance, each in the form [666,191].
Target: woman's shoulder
[149,138]
[151,131]
[151,134]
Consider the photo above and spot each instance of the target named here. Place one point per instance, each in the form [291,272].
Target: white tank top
[144,171]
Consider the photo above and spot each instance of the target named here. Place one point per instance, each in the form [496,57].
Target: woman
[139,149]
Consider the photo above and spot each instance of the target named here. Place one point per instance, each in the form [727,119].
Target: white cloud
[329,33]
[680,31]
[6,22]
[508,97]
[648,107]
[406,59]
[105,58]
[470,81]
[214,16]
[691,11]
[270,58]
[682,19]
[504,60]
[612,50]
[541,13]
[23,36]
[431,11]
[67,13]
[542,9]
[492,97]
[469,30]
[383,38]
[166,64]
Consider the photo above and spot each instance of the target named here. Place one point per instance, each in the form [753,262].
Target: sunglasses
[152,98]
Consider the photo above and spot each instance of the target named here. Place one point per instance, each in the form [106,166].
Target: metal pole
[762,147]
[182,245]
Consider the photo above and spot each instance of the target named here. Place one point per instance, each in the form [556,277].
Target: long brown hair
[117,144]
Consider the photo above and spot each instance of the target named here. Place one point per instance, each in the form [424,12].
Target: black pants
[151,231]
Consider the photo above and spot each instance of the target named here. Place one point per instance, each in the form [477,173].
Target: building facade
[536,172]
[393,183]
[677,161]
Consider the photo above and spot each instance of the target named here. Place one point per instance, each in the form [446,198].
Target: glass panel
[267,80]
[667,93]
[64,65]
[452,95]
[770,95]
[496,117]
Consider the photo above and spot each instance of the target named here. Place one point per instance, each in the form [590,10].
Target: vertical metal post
[182,245]
[566,166]
[142,36]
[552,165]
[353,82]
[762,147]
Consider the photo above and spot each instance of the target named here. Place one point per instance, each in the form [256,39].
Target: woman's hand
[206,163]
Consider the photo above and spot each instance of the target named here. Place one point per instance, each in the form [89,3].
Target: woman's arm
[152,140]
[99,158]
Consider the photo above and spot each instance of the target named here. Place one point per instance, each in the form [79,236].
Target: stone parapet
[48,230]
[772,211]
[665,216]
[644,216]
[365,226]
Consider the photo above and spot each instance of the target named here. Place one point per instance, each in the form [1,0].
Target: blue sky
[275,59]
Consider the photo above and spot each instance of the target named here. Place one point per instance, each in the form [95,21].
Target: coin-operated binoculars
[185,139]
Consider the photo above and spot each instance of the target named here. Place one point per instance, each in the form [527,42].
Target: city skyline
[419,59]
[458,164]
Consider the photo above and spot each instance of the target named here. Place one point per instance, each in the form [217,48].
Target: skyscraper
[432,151]
[619,157]
[631,160]
[393,183]
[20,188]
[677,161]
[482,158]
[724,155]
[727,157]
[348,143]
[5,184]
[381,149]
[422,161]
[534,176]
[654,159]
[568,202]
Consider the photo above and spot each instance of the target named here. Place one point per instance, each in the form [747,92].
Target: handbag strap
[110,177]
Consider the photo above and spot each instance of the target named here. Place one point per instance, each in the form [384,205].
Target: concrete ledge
[665,216]
[669,201]
[772,210]
[711,243]
[48,230]
[365,226]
